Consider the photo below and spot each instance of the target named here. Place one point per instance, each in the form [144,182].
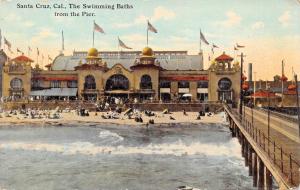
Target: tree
[276,78]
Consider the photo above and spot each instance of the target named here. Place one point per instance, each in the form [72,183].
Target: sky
[269,29]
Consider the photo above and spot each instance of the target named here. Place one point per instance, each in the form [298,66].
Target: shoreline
[160,120]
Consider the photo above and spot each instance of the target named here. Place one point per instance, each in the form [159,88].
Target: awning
[55,92]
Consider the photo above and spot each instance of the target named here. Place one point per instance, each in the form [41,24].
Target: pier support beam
[268,178]
[261,174]
[246,151]
[255,174]
[250,161]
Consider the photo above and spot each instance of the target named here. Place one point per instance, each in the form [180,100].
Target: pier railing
[284,161]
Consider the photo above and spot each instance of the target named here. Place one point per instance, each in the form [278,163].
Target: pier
[270,146]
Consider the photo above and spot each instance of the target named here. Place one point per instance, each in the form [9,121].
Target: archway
[224,91]
[89,88]
[145,82]
[117,82]
[89,82]
[16,86]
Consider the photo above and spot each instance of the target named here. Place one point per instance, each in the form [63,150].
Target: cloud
[159,13]
[258,25]
[232,19]
[28,23]
[285,18]
[134,37]
[162,13]
[43,34]
[139,20]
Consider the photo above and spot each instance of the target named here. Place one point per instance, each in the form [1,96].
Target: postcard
[149,94]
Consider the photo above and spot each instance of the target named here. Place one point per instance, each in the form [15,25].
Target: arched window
[16,83]
[117,82]
[146,82]
[89,82]
[224,84]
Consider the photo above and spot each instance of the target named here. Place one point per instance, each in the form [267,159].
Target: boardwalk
[278,154]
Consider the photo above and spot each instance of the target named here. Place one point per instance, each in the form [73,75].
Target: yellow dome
[93,52]
[147,51]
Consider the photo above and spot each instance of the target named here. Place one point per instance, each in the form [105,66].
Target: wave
[231,149]
[110,137]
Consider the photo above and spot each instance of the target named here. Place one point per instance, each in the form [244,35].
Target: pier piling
[261,175]
[255,174]
[250,161]
[268,179]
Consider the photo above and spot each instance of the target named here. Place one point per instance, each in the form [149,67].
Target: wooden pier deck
[270,157]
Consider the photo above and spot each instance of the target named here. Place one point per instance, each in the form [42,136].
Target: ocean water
[111,157]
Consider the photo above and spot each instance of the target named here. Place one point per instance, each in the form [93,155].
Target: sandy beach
[72,118]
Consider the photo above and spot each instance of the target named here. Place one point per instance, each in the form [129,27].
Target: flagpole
[200,50]
[94,34]
[147,36]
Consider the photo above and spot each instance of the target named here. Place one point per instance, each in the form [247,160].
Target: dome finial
[147,51]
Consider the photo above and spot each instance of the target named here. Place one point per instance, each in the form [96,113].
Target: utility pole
[298,108]
[268,87]
[241,85]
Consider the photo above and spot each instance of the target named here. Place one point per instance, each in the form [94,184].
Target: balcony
[202,90]
[16,90]
[165,90]
[183,90]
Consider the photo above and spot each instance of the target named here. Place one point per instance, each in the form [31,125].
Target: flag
[235,48]
[214,46]
[151,28]
[123,45]
[37,51]
[6,42]
[19,51]
[98,28]
[239,46]
[203,38]
[50,58]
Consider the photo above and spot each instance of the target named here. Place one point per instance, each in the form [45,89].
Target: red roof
[22,58]
[283,78]
[224,58]
[263,94]
[292,87]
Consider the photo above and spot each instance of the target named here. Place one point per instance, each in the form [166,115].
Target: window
[16,83]
[89,82]
[165,84]
[117,82]
[36,84]
[202,97]
[202,84]
[224,84]
[183,84]
[145,82]
[72,84]
[55,84]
